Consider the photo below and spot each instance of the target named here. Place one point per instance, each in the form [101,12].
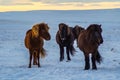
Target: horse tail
[98,57]
[43,53]
[72,50]
[35,55]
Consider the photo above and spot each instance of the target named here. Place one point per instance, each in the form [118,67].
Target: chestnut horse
[34,42]
[88,42]
[65,38]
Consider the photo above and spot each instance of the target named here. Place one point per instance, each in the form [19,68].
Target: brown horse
[65,38]
[88,42]
[34,42]
[76,31]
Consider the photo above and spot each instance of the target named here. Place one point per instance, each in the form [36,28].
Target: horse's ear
[47,24]
[100,25]
[59,26]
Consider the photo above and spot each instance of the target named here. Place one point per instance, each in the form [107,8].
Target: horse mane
[68,28]
[91,33]
[28,31]
[77,30]
[36,29]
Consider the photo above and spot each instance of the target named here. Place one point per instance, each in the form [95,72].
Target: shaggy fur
[34,42]
[76,31]
[88,42]
[65,38]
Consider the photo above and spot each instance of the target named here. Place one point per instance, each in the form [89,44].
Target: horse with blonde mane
[34,41]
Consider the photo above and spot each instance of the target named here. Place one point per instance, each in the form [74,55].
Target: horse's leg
[94,67]
[61,53]
[87,63]
[35,58]
[30,59]
[38,57]
[68,55]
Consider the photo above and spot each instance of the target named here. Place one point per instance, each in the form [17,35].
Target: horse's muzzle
[62,39]
[100,41]
[47,36]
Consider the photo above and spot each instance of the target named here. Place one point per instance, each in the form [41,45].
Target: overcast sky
[16,5]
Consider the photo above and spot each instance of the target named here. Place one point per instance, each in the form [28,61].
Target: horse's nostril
[49,38]
[101,41]
[62,38]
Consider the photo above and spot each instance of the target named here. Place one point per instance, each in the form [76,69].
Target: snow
[14,57]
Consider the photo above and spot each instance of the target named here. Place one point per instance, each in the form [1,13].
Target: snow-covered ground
[14,56]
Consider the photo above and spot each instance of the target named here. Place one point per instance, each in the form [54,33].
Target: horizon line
[59,10]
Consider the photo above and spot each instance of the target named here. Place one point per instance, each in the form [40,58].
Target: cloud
[65,1]
[52,2]
[71,3]
[116,4]
[14,2]
[23,4]
[95,4]
[78,3]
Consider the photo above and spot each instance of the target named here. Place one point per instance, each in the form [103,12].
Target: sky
[25,5]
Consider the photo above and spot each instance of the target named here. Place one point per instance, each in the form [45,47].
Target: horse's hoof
[39,66]
[29,66]
[61,60]
[68,60]
[86,69]
[94,68]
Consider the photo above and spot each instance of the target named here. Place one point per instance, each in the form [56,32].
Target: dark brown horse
[76,31]
[34,42]
[65,38]
[88,42]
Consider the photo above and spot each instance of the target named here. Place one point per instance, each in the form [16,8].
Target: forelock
[35,30]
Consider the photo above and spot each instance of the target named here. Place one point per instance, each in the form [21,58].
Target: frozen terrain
[14,56]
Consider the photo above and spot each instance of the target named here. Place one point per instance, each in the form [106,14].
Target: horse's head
[96,31]
[44,31]
[63,31]
[76,30]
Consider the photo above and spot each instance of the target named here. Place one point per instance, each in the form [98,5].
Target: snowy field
[14,56]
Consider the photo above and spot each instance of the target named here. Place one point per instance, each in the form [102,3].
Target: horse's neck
[40,37]
[37,38]
[90,37]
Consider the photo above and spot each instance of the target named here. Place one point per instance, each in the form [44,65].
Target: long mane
[64,25]
[91,33]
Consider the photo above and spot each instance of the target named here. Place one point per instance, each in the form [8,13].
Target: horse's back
[84,44]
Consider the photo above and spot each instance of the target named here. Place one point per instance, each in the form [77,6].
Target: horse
[65,38]
[76,31]
[88,42]
[34,41]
